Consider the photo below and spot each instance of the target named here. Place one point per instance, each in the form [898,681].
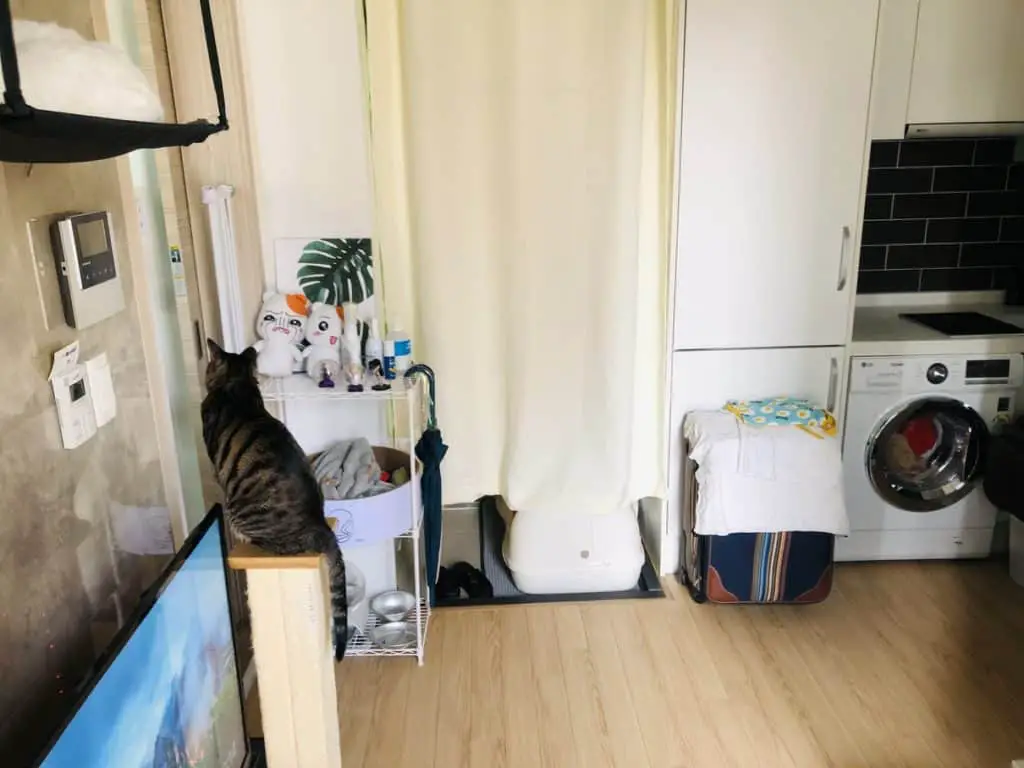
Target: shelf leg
[414,413]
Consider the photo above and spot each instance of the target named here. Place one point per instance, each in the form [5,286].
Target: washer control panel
[921,373]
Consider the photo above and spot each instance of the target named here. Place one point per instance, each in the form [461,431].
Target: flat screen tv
[168,691]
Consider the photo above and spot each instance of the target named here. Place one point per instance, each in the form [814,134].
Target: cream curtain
[522,156]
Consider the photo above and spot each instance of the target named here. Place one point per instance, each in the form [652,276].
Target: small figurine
[352,348]
[323,355]
[376,372]
[281,323]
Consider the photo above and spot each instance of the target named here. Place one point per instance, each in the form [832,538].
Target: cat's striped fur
[270,495]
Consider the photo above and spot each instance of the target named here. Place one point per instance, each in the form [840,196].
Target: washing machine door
[927,454]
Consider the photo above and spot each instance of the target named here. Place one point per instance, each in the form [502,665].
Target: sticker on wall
[178,272]
[334,270]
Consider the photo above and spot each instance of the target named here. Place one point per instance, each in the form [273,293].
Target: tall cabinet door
[772,144]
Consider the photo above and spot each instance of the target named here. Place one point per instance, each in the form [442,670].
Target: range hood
[963,130]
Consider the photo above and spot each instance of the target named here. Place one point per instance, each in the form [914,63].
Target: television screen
[170,696]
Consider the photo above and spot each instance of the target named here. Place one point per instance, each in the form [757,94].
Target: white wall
[310,145]
[308,118]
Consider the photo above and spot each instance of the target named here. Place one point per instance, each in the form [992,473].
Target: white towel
[764,479]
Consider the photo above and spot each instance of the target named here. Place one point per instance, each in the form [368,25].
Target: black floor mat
[492,533]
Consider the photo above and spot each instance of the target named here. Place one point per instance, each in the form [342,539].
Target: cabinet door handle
[833,384]
[841,283]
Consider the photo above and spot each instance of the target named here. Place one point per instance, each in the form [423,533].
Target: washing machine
[914,449]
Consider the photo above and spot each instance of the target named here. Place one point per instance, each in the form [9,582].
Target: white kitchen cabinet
[894,62]
[706,379]
[772,144]
[968,62]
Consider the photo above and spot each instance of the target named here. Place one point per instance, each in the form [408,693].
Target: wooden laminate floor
[905,665]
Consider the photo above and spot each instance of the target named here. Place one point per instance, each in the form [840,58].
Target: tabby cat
[270,495]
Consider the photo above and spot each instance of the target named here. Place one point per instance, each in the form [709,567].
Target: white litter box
[570,553]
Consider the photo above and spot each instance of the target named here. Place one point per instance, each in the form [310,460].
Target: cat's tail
[339,594]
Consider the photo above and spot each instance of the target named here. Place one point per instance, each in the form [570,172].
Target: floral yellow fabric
[784,412]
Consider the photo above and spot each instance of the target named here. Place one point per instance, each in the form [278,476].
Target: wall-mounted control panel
[87,269]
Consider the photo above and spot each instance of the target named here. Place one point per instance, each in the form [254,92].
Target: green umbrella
[430,450]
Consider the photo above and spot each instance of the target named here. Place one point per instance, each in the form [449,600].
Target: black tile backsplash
[1013,230]
[919,256]
[885,180]
[993,153]
[936,153]
[878,207]
[995,203]
[962,231]
[932,205]
[885,154]
[889,232]
[889,281]
[963,179]
[990,255]
[942,215]
[1016,179]
[872,257]
[959,279]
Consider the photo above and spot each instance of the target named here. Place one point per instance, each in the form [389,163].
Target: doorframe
[146,288]
[176,171]
[225,158]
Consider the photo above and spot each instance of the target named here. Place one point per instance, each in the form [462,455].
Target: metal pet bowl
[394,635]
[393,606]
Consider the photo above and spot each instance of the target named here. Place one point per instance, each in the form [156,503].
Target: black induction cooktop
[962,323]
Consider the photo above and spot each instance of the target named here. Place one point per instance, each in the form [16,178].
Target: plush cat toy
[281,323]
[323,332]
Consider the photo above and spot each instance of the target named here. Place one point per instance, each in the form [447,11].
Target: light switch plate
[72,397]
[101,387]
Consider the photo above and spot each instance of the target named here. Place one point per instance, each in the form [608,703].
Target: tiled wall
[942,215]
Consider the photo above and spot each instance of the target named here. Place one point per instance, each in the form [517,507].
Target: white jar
[358,603]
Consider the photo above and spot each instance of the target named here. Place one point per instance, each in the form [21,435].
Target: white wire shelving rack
[299,387]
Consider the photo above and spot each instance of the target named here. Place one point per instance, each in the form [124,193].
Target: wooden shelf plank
[245,557]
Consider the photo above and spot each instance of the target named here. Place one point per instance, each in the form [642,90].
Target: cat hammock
[30,135]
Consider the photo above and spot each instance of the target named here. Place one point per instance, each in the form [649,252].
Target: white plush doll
[282,321]
[323,332]
[352,349]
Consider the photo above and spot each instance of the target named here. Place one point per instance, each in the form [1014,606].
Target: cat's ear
[249,355]
[214,349]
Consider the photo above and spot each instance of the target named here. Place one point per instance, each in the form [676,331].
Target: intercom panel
[87,268]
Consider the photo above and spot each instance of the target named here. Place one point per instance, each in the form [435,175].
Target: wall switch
[101,386]
[72,396]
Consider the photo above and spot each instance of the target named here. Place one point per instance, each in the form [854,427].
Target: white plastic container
[572,553]
[375,518]
[1017,550]
[355,593]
